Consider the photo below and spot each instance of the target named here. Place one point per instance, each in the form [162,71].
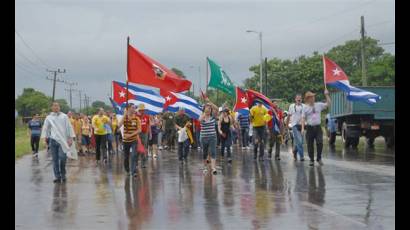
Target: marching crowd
[140,136]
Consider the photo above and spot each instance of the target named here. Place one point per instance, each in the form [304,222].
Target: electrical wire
[31,49]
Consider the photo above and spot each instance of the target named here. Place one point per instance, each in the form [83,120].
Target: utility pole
[206,66]
[266,76]
[70,92]
[55,79]
[79,91]
[261,57]
[362,32]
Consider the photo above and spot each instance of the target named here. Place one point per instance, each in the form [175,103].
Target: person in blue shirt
[35,126]
[331,130]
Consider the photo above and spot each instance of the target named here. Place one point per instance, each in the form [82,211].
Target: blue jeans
[59,159]
[298,138]
[183,149]
[133,147]
[245,137]
[208,143]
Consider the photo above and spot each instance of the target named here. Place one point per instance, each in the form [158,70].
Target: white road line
[332,213]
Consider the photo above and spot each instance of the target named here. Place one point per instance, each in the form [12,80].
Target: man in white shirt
[58,130]
[311,114]
[295,116]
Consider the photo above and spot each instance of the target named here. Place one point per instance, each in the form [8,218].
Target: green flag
[219,79]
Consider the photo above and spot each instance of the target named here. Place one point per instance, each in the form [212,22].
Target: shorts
[154,140]
[85,140]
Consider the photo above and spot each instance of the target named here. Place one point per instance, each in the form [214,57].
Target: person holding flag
[132,128]
[311,115]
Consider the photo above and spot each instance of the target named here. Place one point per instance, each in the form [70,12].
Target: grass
[22,141]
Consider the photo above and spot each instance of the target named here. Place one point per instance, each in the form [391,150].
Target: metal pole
[79,91]
[199,78]
[362,31]
[266,76]
[260,71]
[206,90]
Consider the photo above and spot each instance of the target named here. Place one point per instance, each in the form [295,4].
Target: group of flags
[143,70]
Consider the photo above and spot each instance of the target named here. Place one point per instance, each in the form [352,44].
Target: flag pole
[324,70]
[206,91]
[128,60]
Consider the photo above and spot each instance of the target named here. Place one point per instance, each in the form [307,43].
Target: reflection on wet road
[353,190]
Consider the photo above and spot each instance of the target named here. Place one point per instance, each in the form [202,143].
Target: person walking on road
[258,113]
[208,134]
[34,129]
[311,114]
[58,130]
[295,118]
[274,133]
[145,133]
[86,135]
[169,128]
[244,125]
[331,130]
[224,129]
[100,133]
[181,120]
[132,128]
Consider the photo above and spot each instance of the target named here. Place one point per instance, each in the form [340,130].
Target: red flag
[242,101]
[146,71]
[253,95]
[169,97]
[120,94]
[332,72]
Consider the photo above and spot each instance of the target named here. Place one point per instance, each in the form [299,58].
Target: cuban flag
[152,100]
[174,101]
[242,102]
[336,77]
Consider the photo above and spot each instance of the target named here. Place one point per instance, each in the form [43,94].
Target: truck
[356,118]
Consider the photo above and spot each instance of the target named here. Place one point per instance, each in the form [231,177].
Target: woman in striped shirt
[208,133]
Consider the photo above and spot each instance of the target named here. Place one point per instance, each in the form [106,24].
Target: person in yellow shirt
[85,134]
[114,126]
[258,121]
[77,123]
[100,134]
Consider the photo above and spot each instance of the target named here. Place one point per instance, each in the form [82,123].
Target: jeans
[109,140]
[100,143]
[183,149]
[314,133]
[198,138]
[245,137]
[226,143]
[298,141]
[133,147]
[274,139]
[35,141]
[259,137]
[170,135]
[208,144]
[59,158]
[160,138]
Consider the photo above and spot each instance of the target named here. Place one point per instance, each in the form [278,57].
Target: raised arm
[328,100]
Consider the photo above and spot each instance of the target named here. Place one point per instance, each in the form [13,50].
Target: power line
[18,65]
[31,49]
[26,58]
[387,43]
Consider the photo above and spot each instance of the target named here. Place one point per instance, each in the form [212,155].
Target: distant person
[181,120]
[132,128]
[100,133]
[59,131]
[34,130]
[275,129]
[257,114]
[86,135]
[311,114]
[169,130]
[145,132]
[244,123]
[153,142]
[110,136]
[294,120]
[224,129]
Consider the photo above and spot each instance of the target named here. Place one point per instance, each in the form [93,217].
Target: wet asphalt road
[353,190]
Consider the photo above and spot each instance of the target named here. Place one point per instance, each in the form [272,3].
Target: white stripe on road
[332,213]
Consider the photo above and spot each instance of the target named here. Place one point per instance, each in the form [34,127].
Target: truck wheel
[370,142]
[345,140]
[389,141]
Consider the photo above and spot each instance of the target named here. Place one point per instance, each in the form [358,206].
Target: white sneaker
[160,147]
[243,148]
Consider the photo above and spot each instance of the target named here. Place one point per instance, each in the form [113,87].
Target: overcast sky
[88,38]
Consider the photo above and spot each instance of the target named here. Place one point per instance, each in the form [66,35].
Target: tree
[32,102]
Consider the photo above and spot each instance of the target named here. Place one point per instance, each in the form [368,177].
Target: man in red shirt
[145,131]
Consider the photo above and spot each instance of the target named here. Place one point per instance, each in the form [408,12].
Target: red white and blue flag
[336,77]
[175,101]
[242,102]
[152,101]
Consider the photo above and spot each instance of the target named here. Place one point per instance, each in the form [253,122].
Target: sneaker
[199,147]
[303,159]
[56,181]
[63,180]
[214,171]
[229,160]
[320,162]
[160,147]
[247,147]
[311,163]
